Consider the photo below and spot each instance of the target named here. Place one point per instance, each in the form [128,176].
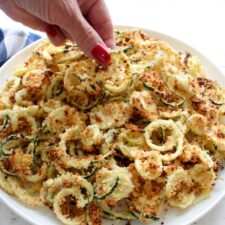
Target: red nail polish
[101,55]
[50,31]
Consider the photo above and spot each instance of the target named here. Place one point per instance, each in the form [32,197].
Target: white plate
[43,216]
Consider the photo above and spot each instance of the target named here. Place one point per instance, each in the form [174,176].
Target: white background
[200,23]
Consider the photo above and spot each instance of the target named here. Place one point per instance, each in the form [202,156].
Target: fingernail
[110,43]
[101,55]
[51,31]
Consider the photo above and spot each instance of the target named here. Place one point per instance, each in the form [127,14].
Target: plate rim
[155,32]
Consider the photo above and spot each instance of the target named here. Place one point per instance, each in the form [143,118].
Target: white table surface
[199,23]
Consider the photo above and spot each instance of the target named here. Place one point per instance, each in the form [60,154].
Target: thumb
[86,37]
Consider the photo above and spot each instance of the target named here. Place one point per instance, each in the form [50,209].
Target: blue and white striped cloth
[11,41]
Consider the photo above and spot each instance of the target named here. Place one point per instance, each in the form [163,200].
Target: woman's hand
[85,21]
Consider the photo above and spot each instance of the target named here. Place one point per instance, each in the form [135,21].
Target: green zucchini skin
[5,123]
[98,101]
[148,87]
[126,50]
[111,190]
[216,102]
[7,173]
[35,160]
[3,150]
[101,98]
[68,45]
[140,214]
[111,216]
[93,171]
[172,104]
[35,142]
[168,96]
[163,100]
[59,92]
